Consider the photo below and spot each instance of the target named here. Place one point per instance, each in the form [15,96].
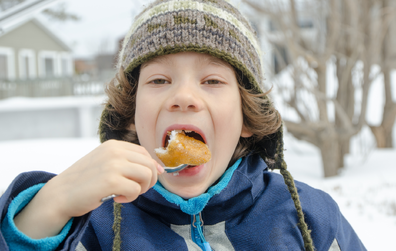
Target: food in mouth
[183,147]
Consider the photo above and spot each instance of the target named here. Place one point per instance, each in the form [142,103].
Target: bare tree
[349,35]
[383,132]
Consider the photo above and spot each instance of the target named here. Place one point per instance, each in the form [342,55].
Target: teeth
[179,131]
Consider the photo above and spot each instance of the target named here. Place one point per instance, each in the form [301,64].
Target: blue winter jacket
[250,208]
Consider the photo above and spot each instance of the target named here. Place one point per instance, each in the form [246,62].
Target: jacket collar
[236,191]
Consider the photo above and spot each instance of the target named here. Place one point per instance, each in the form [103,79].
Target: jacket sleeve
[346,238]
[330,230]
[29,183]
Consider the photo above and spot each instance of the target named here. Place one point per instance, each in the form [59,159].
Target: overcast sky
[102,23]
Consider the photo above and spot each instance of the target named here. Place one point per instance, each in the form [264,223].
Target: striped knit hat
[214,27]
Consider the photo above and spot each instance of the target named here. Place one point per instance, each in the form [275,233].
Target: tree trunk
[379,134]
[344,148]
[322,102]
[389,114]
[330,152]
[383,133]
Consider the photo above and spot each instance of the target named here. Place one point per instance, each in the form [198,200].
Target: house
[29,50]
[276,53]
[85,66]
[101,67]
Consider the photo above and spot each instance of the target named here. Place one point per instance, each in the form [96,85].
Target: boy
[187,65]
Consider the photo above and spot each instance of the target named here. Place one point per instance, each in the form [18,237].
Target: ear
[245,133]
[132,127]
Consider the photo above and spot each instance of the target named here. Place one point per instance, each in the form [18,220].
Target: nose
[185,97]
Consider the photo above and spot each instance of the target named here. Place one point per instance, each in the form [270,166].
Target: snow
[365,190]
[51,155]
[26,103]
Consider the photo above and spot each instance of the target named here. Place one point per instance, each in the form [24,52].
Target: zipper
[197,233]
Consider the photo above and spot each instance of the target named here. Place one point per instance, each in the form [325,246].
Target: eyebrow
[160,59]
[213,60]
[201,60]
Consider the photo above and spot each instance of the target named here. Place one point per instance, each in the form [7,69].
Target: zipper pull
[198,223]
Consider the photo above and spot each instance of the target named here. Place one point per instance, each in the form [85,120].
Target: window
[3,67]
[280,57]
[7,63]
[305,23]
[27,64]
[65,64]
[48,66]
[64,67]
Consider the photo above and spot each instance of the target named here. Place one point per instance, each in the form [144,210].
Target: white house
[29,50]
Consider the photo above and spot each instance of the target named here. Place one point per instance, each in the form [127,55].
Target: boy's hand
[115,167]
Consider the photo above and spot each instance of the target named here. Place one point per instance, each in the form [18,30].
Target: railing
[51,87]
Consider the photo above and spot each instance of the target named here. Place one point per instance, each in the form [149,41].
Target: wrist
[40,218]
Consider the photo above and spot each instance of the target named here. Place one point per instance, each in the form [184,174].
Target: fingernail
[160,169]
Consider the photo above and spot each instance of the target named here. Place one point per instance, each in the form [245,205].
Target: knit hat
[214,27]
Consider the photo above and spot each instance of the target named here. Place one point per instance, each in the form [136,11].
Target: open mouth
[188,133]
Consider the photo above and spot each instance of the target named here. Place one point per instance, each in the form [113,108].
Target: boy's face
[190,91]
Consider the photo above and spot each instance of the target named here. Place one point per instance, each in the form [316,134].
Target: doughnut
[183,149]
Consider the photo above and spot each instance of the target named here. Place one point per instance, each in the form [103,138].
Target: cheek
[143,118]
[231,111]
[229,121]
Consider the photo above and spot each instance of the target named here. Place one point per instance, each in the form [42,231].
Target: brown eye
[213,82]
[159,81]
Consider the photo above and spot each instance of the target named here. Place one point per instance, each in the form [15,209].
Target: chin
[189,195]
[187,192]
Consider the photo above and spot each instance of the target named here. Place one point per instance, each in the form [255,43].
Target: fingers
[133,166]
[134,153]
[142,175]
[129,190]
[126,145]
[139,158]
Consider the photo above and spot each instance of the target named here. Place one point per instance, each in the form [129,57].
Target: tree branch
[302,131]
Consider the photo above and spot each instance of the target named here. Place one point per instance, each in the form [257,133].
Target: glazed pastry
[182,149]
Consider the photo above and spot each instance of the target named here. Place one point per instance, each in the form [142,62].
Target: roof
[20,14]
[23,11]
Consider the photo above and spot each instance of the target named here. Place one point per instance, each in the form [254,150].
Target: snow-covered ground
[365,190]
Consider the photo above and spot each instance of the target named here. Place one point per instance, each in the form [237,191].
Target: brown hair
[259,115]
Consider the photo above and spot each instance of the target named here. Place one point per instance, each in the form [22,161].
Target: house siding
[32,37]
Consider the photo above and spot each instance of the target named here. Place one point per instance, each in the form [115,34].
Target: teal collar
[196,204]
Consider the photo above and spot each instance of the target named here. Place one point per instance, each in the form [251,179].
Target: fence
[50,87]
